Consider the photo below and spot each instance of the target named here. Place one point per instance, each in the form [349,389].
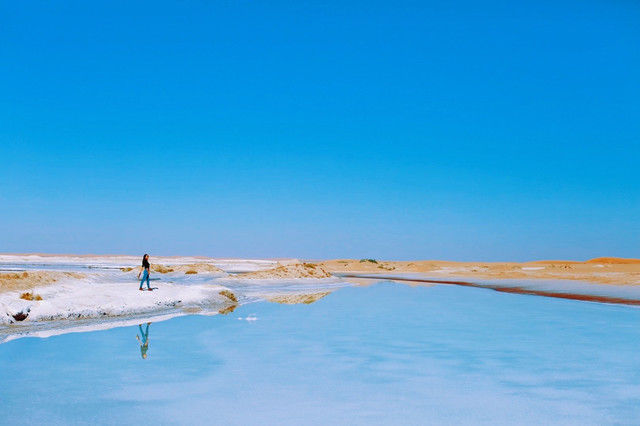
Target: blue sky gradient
[418,130]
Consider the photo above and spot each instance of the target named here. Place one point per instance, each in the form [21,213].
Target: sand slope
[614,261]
[198,268]
[296,270]
[13,281]
[601,270]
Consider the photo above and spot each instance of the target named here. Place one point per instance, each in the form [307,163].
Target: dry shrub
[386,268]
[191,271]
[14,275]
[30,296]
[161,269]
[227,310]
[229,295]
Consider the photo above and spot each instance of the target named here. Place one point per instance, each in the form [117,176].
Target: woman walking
[144,270]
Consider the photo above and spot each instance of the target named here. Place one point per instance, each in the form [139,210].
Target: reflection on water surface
[383,354]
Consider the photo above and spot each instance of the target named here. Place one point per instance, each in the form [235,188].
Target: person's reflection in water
[144,340]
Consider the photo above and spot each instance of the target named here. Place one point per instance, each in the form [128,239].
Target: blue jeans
[145,276]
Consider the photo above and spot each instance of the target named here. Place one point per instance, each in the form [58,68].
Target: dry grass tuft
[232,297]
[126,269]
[191,271]
[30,296]
[227,310]
[386,268]
[15,276]
[229,295]
[161,269]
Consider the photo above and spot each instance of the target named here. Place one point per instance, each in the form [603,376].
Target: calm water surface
[385,354]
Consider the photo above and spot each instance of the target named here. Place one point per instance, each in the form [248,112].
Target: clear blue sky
[494,130]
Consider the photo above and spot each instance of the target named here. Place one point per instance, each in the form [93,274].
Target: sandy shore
[37,290]
[607,270]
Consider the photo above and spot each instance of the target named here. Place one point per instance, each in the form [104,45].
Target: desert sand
[296,270]
[19,281]
[190,268]
[195,285]
[604,270]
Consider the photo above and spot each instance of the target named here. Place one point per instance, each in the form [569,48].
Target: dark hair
[144,258]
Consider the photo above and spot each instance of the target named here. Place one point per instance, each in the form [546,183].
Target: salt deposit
[75,300]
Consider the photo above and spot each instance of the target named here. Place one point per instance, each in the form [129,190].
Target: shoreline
[608,271]
[508,289]
[96,288]
[603,270]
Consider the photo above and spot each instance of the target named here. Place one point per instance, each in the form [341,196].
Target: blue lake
[383,354]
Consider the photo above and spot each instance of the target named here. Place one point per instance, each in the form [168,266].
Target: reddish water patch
[515,290]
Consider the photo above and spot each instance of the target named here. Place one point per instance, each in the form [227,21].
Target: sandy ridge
[296,270]
[601,270]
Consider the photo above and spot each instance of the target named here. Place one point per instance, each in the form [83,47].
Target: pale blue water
[386,354]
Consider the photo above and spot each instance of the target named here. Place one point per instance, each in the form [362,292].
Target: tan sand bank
[614,261]
[296,270]
[191,268]
[601,270]
[197,268]
[17,281]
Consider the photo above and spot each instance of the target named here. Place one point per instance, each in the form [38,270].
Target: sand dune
[296,270]
[606,270]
